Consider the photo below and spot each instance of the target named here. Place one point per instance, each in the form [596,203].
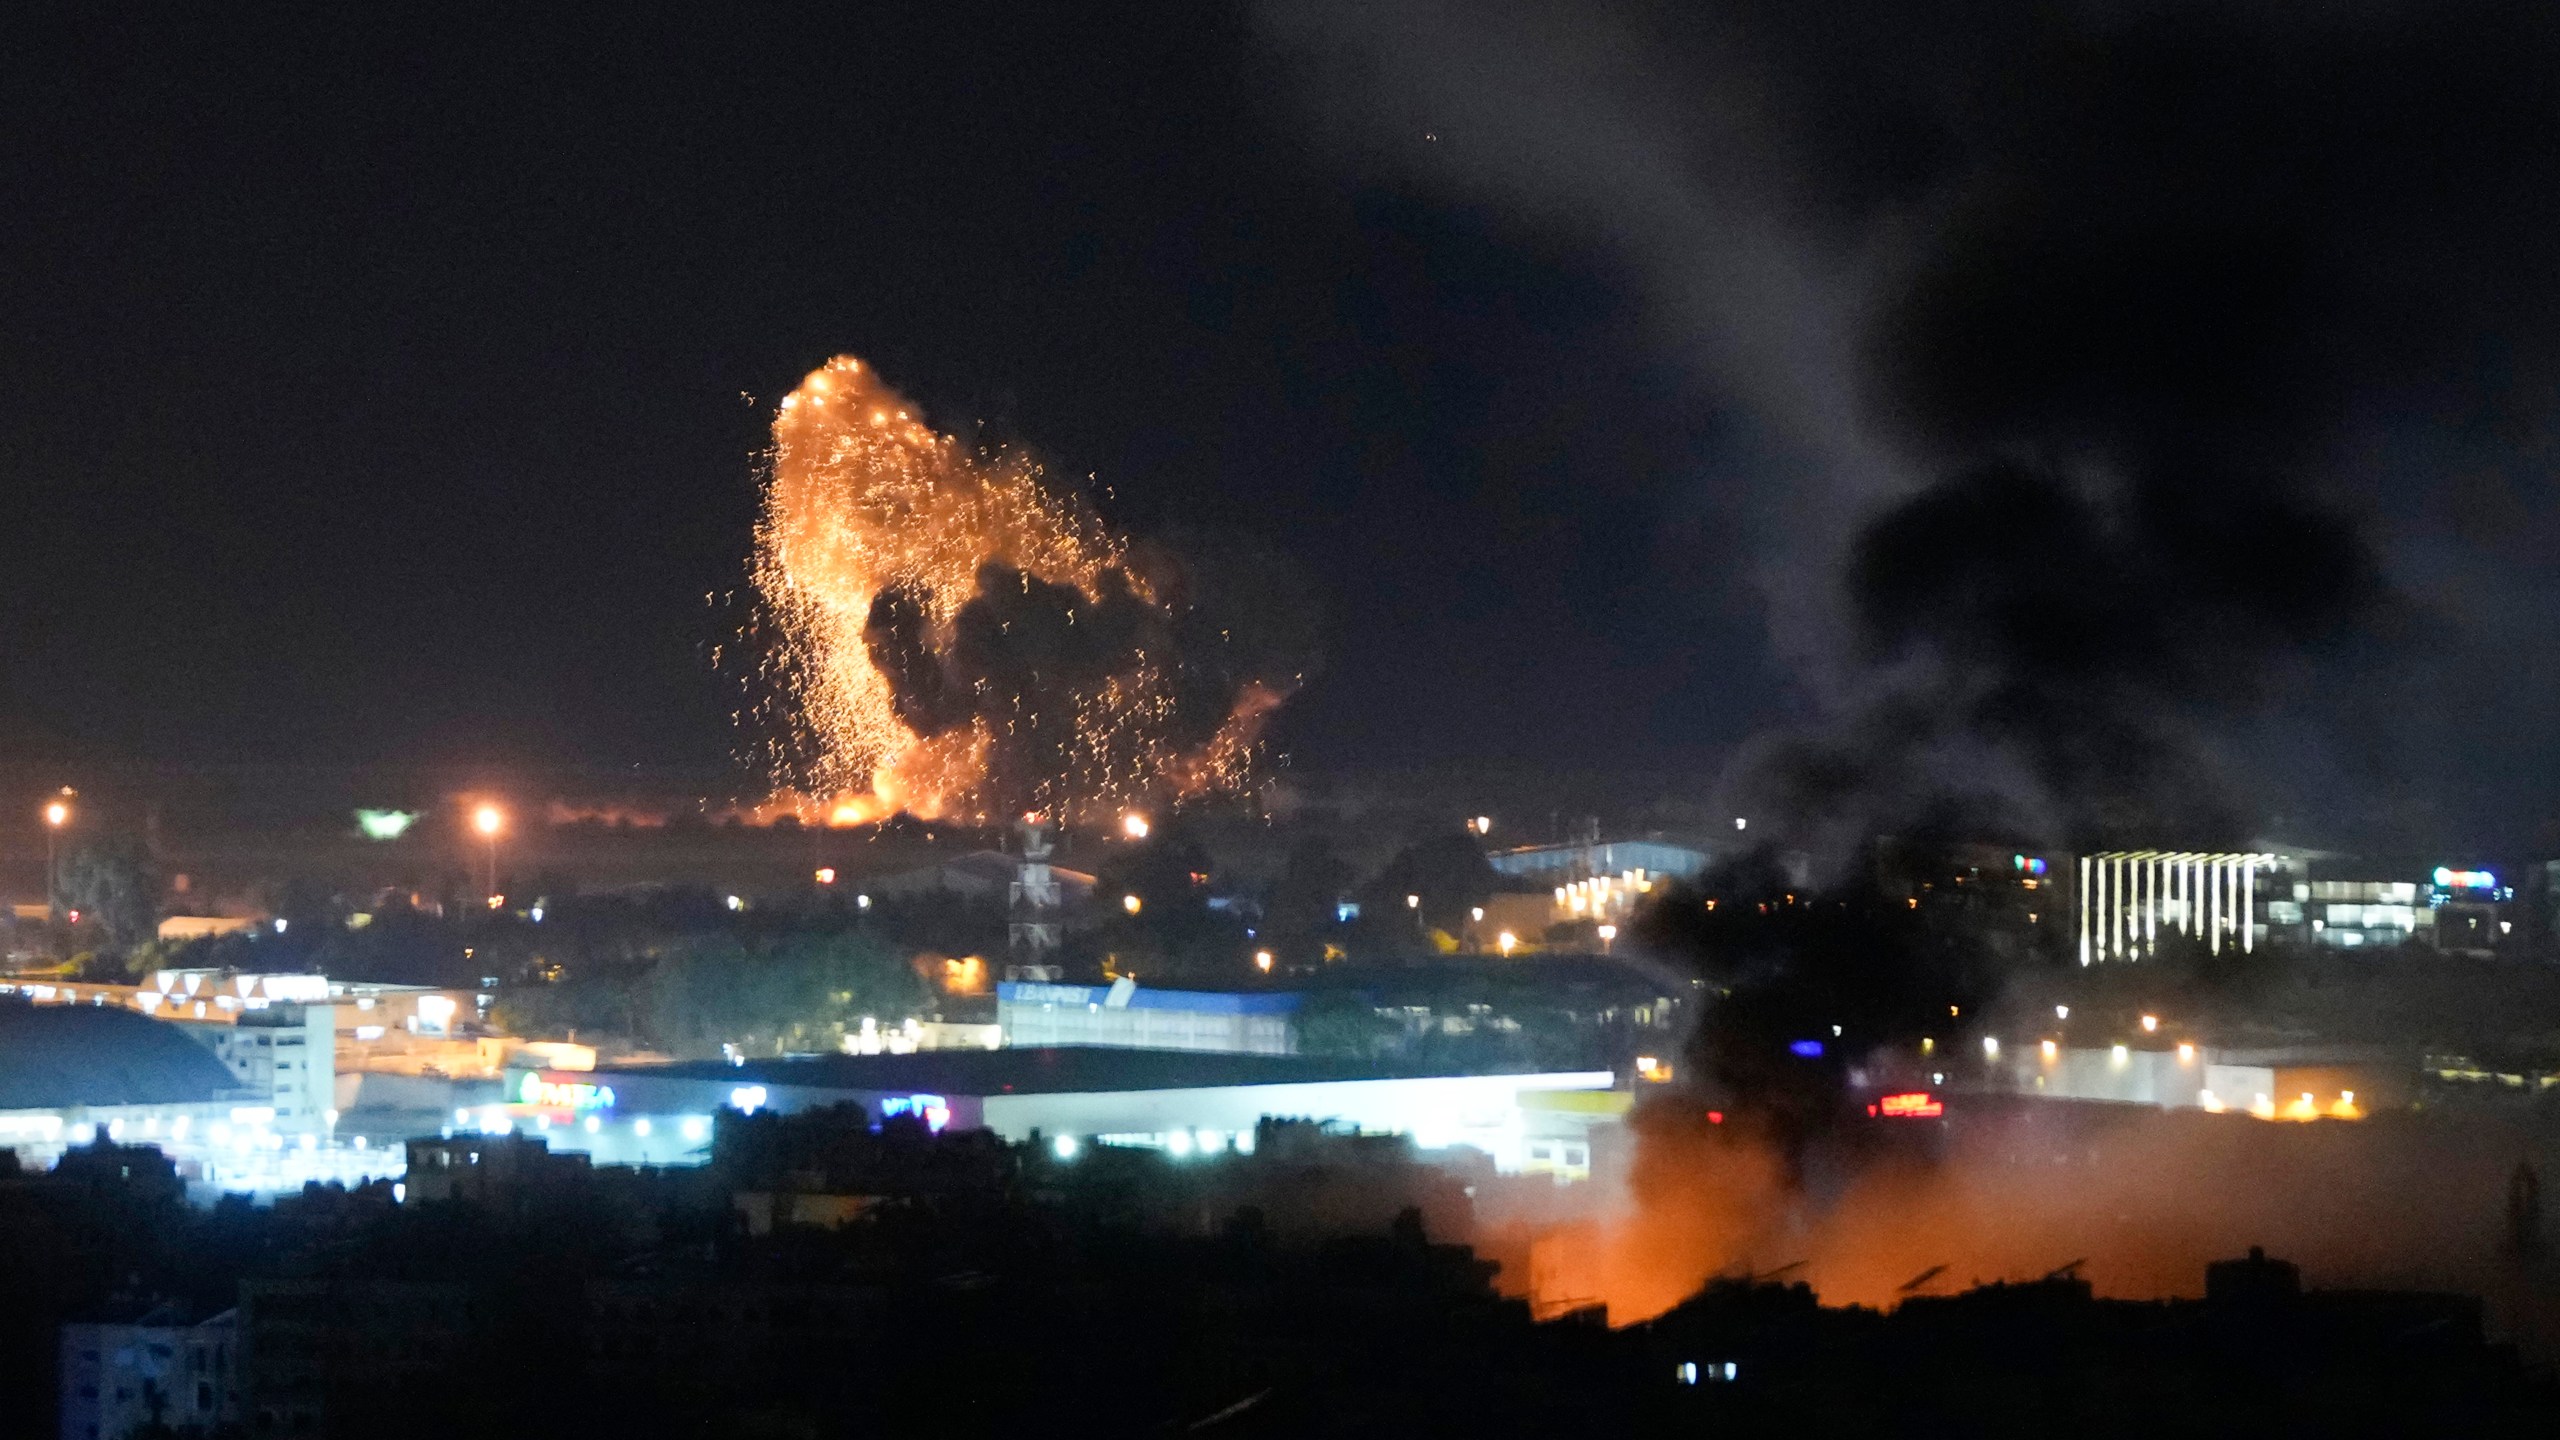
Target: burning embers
[953,636]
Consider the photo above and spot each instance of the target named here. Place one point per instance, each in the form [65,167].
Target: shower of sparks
[865,500]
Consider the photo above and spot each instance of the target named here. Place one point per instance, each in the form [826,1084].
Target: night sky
[396,389]
[388,386]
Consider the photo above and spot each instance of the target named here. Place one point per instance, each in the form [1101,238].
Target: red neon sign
[1914,1105]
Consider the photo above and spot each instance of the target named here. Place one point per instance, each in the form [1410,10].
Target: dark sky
[380,388]
[2117,420]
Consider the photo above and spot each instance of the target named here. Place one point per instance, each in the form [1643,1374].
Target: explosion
[953,637]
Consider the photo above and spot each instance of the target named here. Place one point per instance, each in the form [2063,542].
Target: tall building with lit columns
[2128,898]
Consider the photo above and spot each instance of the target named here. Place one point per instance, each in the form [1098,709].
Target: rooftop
[56,1056]
[1065,1069]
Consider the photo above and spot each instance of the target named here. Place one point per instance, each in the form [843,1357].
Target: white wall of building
[1482,1111]
[287,1055]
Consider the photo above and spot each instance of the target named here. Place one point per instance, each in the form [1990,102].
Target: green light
[385,824]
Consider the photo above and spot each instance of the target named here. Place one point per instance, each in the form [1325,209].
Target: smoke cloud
[2128,401]
[2145,1199]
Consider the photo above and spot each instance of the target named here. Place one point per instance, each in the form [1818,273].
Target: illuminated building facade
[2245,899]
[1181,1102]
[1593,882]
[2470,911]
[373,1025]
[68,1072]
[1553,865]
[1129,1016]
[285,1055]
[2270,1084]
[2357,914]
[2127,898]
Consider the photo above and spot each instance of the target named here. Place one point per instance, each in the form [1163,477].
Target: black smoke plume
[1027,656]
[2144,410]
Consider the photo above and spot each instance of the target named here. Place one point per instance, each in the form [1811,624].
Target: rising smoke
[2120,394]
[2144,1199]
[948,633]
[2143,414]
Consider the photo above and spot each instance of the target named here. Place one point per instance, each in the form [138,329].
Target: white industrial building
[286,1056]
[70,1072]
[2271,1084]
[1180,1102]
[1129,1016]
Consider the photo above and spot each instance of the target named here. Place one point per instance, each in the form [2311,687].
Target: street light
[1132,904]
[1262,961]
[1134,825]
[57,813]
[1607,934]
[489,820]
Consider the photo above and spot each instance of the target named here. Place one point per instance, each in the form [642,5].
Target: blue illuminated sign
[933,1110]
[1809,1049]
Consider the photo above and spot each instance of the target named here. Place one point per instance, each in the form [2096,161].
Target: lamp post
[489,820]
[57,813]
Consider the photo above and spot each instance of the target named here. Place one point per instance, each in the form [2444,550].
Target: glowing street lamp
[1507,941]
[1262,961]
[1134,825]
[489,820]
[57,813]
[1607,934]
[1132,904]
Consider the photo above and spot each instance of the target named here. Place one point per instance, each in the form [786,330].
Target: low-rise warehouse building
[1178,1101]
